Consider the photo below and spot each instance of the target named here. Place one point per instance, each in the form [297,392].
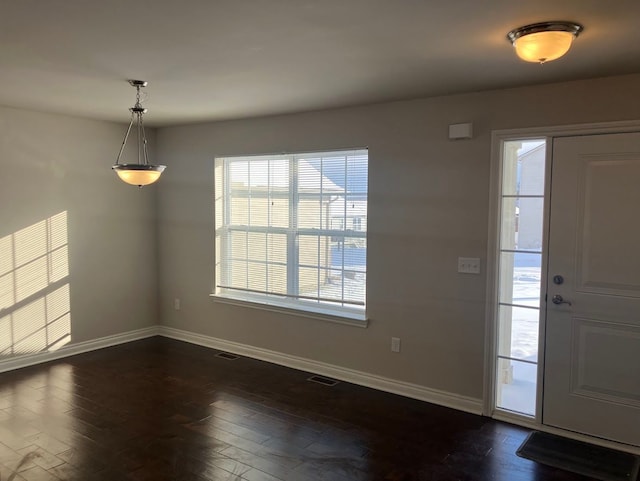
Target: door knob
[557,299]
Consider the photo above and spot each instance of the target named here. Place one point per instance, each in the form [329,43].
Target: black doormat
[582,458]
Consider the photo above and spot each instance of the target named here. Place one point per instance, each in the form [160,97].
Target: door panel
[595,340]
[609,196]
[592,345]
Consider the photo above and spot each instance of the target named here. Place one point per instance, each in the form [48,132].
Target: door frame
[498,137]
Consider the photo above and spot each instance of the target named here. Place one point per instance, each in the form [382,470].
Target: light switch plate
[469,265]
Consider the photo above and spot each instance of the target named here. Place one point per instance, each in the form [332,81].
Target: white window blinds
[291,230]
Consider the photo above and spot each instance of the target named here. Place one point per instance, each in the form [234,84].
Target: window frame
[343,311]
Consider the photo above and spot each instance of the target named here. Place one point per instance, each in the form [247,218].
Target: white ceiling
[222,59]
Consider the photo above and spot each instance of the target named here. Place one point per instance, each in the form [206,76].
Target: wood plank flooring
[159,409]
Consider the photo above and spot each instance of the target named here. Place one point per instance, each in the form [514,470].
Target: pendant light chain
[142,146]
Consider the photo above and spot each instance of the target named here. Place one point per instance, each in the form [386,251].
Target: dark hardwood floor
[159,409]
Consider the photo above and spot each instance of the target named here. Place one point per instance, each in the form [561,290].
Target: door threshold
[531,423]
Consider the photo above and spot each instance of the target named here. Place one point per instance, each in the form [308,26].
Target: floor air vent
[227,355]
[323,380]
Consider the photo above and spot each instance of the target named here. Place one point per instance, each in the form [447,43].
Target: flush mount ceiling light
[142,173]
[543,42]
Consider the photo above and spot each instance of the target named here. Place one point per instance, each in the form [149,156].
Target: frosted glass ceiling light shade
[543,42]
[136,174]
[142,173]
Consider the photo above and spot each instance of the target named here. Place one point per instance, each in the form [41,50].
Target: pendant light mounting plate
[139,83]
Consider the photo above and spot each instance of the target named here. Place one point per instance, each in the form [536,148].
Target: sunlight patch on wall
[34,289]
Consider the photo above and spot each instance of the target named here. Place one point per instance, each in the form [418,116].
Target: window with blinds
[291,230]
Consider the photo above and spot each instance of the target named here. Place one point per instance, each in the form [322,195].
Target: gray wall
[52,164]
[428,205]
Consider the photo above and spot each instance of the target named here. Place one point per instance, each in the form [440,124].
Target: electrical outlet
[395,344]
[469,265]
[176,304]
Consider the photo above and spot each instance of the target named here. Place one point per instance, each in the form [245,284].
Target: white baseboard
[30,359]
[415,391]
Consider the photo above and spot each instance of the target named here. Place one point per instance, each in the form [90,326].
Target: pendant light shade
[137,174]
[543,42]
[142,173]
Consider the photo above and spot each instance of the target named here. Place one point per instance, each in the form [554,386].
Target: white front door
[592,342]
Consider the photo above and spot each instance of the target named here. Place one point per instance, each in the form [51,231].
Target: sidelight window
[520,269]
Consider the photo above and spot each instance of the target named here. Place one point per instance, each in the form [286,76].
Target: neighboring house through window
[291,230]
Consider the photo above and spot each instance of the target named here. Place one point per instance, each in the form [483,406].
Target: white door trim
[498,137]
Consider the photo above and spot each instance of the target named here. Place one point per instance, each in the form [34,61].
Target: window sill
[350,319]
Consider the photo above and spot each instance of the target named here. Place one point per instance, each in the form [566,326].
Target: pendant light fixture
[543,42]
[142,173]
